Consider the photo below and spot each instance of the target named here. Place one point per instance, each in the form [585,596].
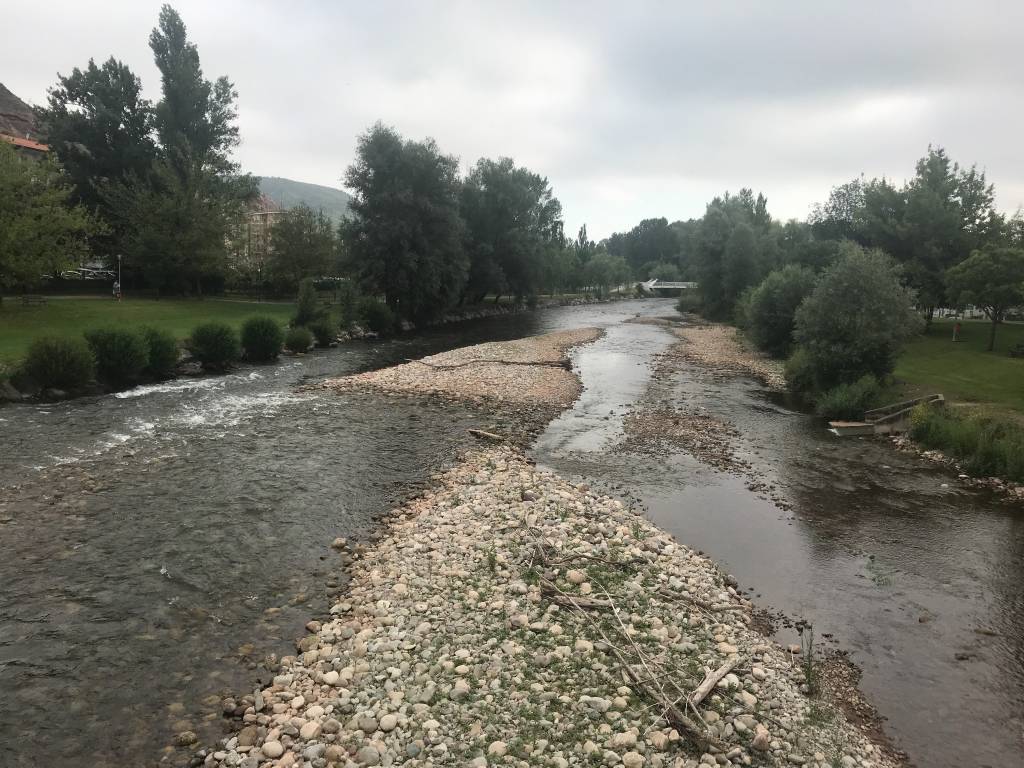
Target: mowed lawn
[19,324]
[964,371]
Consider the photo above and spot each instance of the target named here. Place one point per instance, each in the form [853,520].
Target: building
[18,125]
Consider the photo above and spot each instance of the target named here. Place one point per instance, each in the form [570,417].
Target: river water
[160,544]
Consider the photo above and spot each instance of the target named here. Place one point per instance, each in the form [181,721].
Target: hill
[288,193]
[16,118]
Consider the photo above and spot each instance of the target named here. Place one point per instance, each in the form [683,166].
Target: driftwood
[565,364]
[709,682]
[574,601]
[487,435]
[698,602]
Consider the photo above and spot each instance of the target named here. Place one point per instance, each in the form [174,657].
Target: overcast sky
[631,109]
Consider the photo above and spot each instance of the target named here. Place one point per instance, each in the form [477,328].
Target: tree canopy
[992,279]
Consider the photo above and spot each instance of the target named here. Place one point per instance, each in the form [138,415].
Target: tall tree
[405,237]
[992,279]
[100,128]
[41,230]
[302,244]
[513,223]
[194,191]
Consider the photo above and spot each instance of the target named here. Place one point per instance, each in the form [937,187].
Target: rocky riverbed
[509,617]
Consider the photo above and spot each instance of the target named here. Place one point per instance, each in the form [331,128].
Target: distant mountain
[287,194]
[16,118]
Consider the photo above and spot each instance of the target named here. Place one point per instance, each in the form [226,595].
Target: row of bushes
[985,447]
[118,357]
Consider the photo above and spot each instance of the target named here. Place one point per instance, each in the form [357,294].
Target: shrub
[61,363]
[262,338]
[376,315]
[121,355]
[985,446]
[741,309]
[849,401]
[772,305]
[799,372]
[856,318]
[324,330]
[163,352]
[308,306]
[299,339]
[348,303]
[215,345]
[689,301]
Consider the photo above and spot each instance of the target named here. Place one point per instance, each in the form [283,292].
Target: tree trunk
[929,316]
[992,335]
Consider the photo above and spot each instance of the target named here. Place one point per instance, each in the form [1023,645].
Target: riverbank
[507,616]
[510,617]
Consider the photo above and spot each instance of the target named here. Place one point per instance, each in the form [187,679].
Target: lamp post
[119,290]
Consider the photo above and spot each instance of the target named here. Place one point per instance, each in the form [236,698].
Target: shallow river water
[159,544]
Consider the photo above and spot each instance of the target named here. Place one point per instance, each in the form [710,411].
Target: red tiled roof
[26,143]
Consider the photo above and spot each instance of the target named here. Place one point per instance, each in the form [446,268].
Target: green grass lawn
[19,325]
[964,371]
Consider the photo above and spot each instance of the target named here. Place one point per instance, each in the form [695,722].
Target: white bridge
[652,286]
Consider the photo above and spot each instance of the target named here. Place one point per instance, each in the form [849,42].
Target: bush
[215,345]
[856,318]
[741,309]
[348,303]
[849,401]
[324,330]
[60,363]
[262,338]
[772,305]
[308,305]
[163,352]
[689,301]
[299,339]
[799,372]
[986,447]
[121,355]
[376,315]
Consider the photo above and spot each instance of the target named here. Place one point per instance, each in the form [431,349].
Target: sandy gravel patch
[509,617]
[530,371]
[722,348]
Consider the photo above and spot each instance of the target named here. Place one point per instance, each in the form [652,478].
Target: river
[160,544]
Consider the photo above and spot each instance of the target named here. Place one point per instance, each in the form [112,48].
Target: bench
[33,300]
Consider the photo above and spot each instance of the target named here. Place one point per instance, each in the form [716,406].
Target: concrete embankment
[509,617]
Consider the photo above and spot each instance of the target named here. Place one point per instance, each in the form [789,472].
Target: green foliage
[376,315]
[162,349]
[100,129]
[348,303]
[262,338]
[298,339]
[302,245]
[324,330]
[121,355]
[772,306]
[800,372]
[511,219]
[856,319]
[986,446]
[307,307]
[651,242]
[849,401]
[405,238]
[60,363]
[40,231]
[215,345]
[605,271]
[689,301]
[992,279]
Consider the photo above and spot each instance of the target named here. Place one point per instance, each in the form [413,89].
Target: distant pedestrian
[956,331]
[117,290]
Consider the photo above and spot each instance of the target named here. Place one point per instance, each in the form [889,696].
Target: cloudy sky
[632,110]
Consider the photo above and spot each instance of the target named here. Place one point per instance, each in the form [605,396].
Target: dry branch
[712,679]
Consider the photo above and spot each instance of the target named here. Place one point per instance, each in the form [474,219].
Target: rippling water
[160,543]
[884,550]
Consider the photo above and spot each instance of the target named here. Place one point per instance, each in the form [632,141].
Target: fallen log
[711,680]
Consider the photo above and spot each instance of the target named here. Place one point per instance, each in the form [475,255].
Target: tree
[992,279]
[405,237]
[772,307]
[605,271]
[856,319]
[41,231]
[302,244]
[512,220]
[180,216]
[665,271]
[739,262]
[100,129]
